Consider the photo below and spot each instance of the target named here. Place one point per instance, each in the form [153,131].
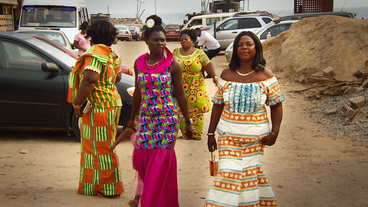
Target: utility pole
[155,8]
[138,8]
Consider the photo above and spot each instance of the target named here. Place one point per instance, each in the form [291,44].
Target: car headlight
[130,91]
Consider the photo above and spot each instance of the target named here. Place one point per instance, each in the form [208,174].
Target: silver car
[270,30]
[124,33]
[226,30]
[56,36]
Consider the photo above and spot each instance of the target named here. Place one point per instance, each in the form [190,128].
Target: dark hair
[192,34]
[84,26]
[156,27]
[102,32]
[198,29]
[258,62]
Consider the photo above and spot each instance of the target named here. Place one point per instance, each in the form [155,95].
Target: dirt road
[305,166]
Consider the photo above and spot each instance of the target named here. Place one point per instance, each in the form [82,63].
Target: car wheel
[75,126]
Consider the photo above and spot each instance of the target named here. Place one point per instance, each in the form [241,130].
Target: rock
[329,71]
[359,116]
[332,111]
[350,90]
[23,151]
[347,111]
[365,84]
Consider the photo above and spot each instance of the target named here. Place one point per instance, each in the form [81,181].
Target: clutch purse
[213,165]
[85,107]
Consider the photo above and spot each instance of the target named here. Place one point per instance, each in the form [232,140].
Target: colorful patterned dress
[243,123]
[99,169]
[154,155]
[195,89]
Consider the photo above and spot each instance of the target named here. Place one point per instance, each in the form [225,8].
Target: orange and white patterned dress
[243,123]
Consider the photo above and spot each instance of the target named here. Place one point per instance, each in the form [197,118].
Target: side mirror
[50,67]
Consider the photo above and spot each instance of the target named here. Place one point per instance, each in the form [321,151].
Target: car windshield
[132,28]
[172,27]
[52,36]
[122,28]
[54,51]
[48,16]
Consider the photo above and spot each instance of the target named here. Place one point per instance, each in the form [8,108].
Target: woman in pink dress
[81,41]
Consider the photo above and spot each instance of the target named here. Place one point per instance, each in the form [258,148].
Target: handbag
[85,107]
[213,165]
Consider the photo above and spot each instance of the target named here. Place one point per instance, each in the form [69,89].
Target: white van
[65,15]
[205,21]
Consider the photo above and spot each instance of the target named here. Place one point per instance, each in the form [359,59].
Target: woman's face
[246,48]
[186,41]
[156,42]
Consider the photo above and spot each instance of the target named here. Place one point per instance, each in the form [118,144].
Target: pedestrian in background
[81,40]
[240,119]
[192,62]
[93,79]
[207,40]
[157,73]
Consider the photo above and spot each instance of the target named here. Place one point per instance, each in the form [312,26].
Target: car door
[226,32]
[28,94]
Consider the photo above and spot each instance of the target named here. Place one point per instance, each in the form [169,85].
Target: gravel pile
[338,125]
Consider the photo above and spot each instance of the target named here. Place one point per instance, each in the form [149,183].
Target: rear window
[172,27]
[266,20]
[122,28]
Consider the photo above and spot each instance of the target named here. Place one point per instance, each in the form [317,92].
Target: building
[9,14]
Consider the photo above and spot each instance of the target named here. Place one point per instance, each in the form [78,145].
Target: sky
[129,7]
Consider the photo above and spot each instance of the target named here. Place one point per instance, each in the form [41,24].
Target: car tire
[75,126]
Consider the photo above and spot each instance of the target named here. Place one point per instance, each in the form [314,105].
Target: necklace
[242,74]
[151,65]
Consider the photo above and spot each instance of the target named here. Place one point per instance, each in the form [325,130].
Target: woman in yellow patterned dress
[192,61]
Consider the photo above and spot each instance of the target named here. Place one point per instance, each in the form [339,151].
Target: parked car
[172,31]
[136,32]
[272,28]
[71,54]
[124,33]
[226,30]
[56,36]
[34,84]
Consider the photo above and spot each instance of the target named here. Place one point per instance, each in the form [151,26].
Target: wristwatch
[190,121]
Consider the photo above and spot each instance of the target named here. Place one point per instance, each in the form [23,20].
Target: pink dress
[82,42]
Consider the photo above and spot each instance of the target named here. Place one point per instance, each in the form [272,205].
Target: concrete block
[357,102]
[303,79]
[347,111]
[359,116]
[329,71]
[332,111]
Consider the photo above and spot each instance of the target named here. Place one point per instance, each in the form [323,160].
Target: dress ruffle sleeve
[274,95]
[219,98]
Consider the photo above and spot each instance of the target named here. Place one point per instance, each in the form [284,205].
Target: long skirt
[158,169]
[99,169]
[240,181]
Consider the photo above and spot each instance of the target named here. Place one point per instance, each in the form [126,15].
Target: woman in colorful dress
[158,118]
[192,61]
[240,119]
[93,79]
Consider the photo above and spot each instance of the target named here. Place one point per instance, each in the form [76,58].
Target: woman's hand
[189,131]
[269,140]
[112,148]
[215,80]
[77,112]
[211,143]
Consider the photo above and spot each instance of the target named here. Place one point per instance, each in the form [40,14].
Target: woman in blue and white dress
[240,119]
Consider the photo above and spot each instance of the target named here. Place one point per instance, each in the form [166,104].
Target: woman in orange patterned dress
[239,115]
[192,61]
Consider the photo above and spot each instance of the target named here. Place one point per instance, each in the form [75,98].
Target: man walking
[212,45]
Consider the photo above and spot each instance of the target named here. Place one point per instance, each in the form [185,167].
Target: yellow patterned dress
[195,89]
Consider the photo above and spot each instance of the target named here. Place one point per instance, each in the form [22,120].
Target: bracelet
[215,77]
[274,133]
[210,134]
[76,106]
[190,121]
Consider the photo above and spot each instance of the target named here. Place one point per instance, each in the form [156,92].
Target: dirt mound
[313,44]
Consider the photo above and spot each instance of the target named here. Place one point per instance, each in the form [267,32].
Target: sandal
[195,138]
[133,203]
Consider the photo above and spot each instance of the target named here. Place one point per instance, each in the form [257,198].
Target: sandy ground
[305,166]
